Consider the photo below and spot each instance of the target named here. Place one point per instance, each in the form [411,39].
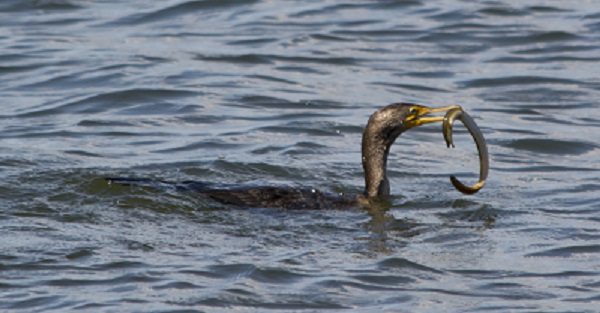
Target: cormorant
[382,130]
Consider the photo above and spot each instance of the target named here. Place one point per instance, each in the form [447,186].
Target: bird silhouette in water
[382,130]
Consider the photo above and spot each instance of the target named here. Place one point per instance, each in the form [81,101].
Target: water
[269,92]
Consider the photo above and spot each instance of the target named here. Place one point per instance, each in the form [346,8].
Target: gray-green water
[277,92]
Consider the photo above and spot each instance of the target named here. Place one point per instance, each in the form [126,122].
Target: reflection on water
[254,92]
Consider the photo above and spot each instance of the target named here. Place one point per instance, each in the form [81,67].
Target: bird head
[394,119]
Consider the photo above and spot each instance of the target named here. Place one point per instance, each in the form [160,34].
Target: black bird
[383,128]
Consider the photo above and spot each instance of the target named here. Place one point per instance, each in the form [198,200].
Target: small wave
[559,49]
[517,12]
[395,264]
[123,101]
[536,98]
[76,79]
[82,153]
[551,146]
[123,279]
[429,74]
[374,281]
[177,285]
[19,68]
[271,58]
[240,59]
[547,169]
[273,79]
[261,101]
[518,80]
[409,87]
[301,69]
[549,59]
[174,11]
[202,145]
[567,252]
[312,129]
[257,42]
[503,11]
[276,276]
[18,5]
[535,38]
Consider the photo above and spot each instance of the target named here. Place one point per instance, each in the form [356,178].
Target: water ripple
[552,146]
[122,101]
[572,251]
[271,59]
[261,93]
[519,81]
[174,11]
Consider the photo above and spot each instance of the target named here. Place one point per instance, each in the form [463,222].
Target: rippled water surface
[278,93]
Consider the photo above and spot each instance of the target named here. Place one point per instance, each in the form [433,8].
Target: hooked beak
[420,117]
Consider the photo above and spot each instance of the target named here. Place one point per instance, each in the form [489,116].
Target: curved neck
[375,150]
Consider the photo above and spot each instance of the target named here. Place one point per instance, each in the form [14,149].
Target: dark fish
[459,114]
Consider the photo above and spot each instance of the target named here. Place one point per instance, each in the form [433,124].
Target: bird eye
[413,111]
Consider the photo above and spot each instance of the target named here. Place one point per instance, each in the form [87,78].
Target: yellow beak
[419,117]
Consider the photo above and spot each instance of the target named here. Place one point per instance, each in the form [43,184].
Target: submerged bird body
[382,130]
[280,197]
[252,196]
